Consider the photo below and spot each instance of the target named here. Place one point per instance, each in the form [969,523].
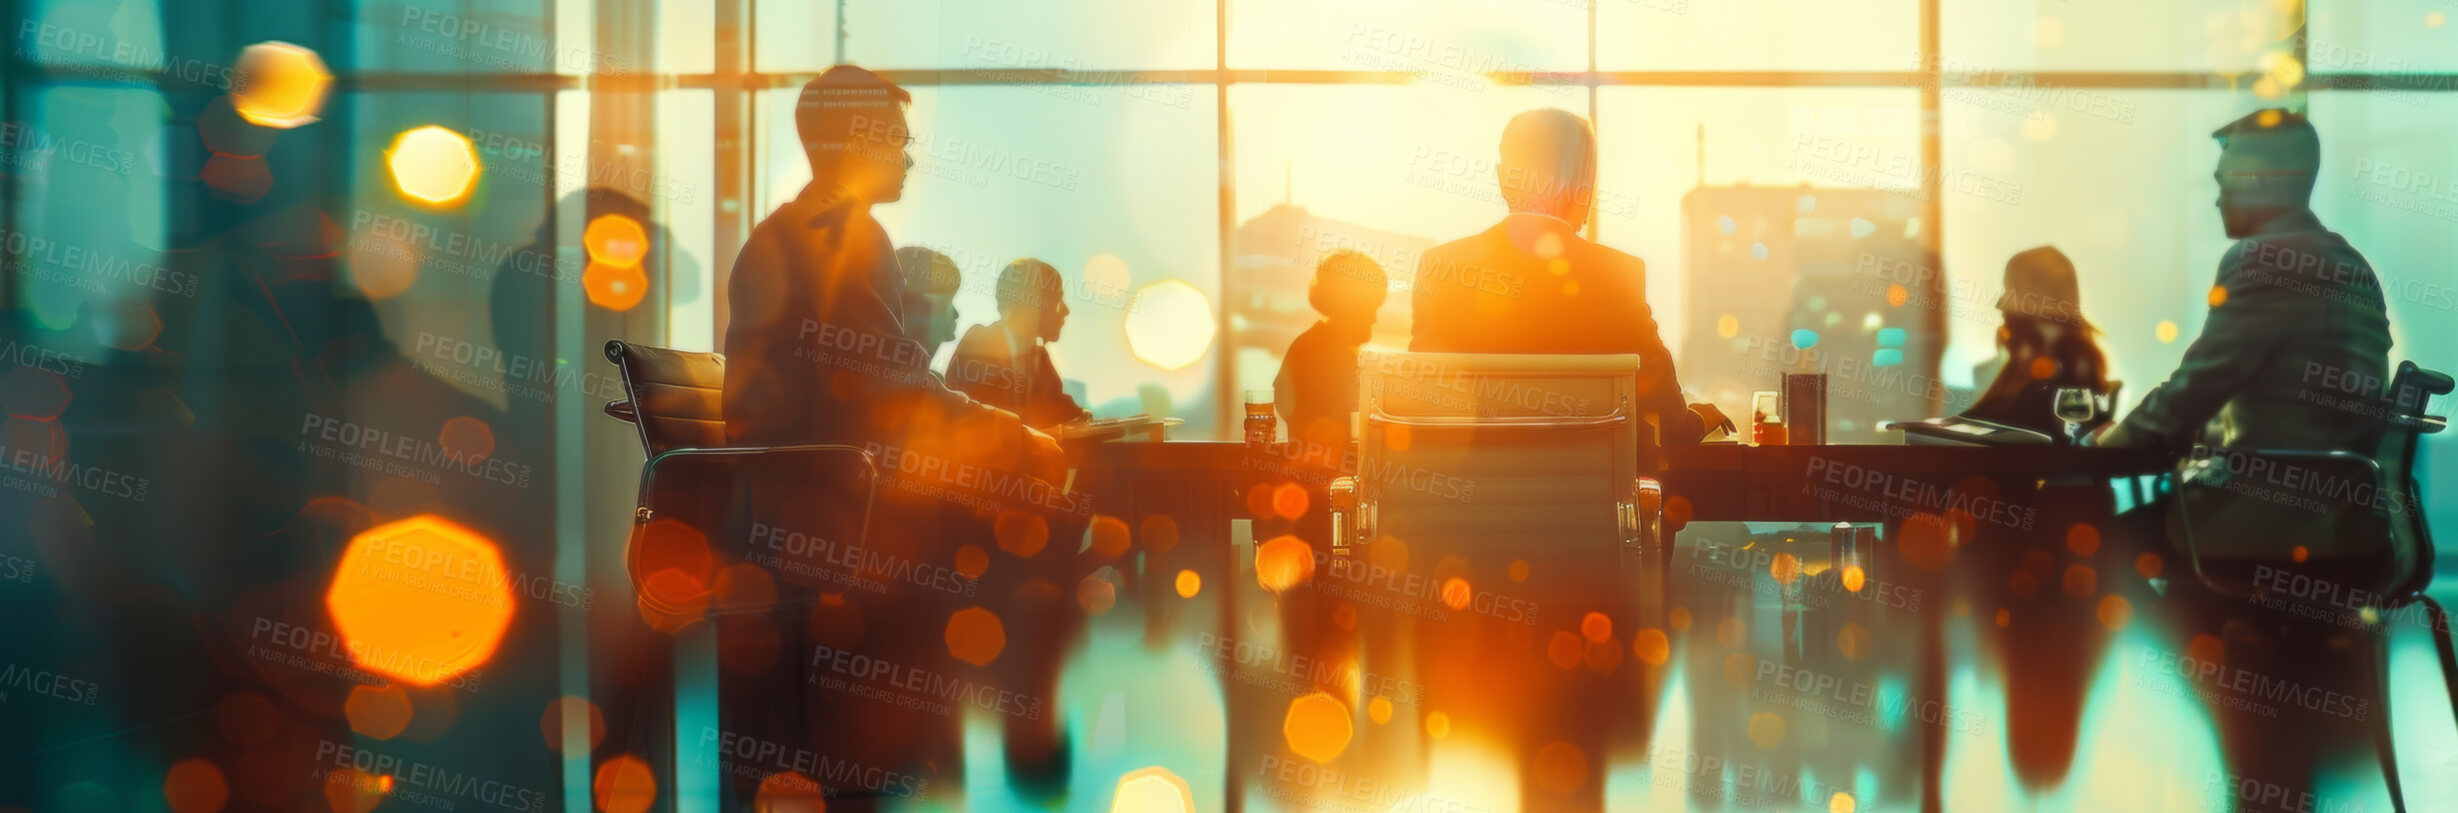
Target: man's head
[931,280]
[852,125]
[1032,299]
[2267,163]
[1348,287]
[1548,164]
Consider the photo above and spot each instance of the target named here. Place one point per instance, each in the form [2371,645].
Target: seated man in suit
[1005,363]
[1531,284]
[2294,309]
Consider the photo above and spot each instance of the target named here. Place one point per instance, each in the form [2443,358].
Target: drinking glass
[2075,406]
[1262,427]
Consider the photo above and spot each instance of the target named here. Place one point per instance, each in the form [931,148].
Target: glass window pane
[1003,34]
[2131,202]
[2384,36]
[2389,183]
[2219,36]
[1454,42]
[796,35]
[127,35]
[686,37]
[1117,196]
[452,36]
[1387,171]
[686,123]
[91,207]
[1788,177]
[1757,35]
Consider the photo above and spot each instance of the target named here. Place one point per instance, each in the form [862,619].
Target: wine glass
[2076,405]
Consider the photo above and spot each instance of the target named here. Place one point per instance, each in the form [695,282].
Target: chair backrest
[1499,452]
[2404,406]
[677,396]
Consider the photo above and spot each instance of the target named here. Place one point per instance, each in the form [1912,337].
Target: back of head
[843,110]
[2268,160]
[1029,283]
[1348,286]
[1548,163]
[927,272]
[2041,284]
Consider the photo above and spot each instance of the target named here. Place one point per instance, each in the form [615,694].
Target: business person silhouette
[1005,363]
[1531,284]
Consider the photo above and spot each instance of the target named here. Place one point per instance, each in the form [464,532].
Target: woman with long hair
[2046,345]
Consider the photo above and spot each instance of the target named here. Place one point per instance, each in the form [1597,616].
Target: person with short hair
[1316,390]
[1531,284]
[1006,363]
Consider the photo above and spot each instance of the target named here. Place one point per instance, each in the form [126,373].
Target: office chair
[1504,498]
[2397,570]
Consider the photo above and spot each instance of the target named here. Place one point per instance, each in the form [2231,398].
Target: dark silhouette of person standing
[2048,345]
[1531,284]
[1317,387]
[1006,363]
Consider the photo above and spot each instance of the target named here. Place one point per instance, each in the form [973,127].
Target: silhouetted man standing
[1531,284]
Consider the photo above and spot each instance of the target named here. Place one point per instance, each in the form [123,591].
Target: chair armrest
[1344,516]
[622,410]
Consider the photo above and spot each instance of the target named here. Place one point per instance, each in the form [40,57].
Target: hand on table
[1043,459]
[1710,417]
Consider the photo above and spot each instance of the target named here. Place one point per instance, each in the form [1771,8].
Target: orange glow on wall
[789,792]
[1189,584]
[350,790]
[421,600]
[433,165]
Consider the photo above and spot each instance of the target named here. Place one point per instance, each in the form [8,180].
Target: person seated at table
[1006,363]
[931,280]
[2045,344]
[1531,284]
[2291,298]
[1316,391]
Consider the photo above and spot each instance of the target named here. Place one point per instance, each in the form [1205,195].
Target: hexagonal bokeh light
[1152,790]
[433,165]
[280,85]
[1317,727]
[1170,325]
[615,240]
[421,599]
[615,288]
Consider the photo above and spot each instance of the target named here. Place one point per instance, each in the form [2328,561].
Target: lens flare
[433,165]
[1170,325]
[421,600]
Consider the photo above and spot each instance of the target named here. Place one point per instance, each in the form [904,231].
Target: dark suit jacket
[2301,311]
[816,350]
[1026,384]
[1498,292]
